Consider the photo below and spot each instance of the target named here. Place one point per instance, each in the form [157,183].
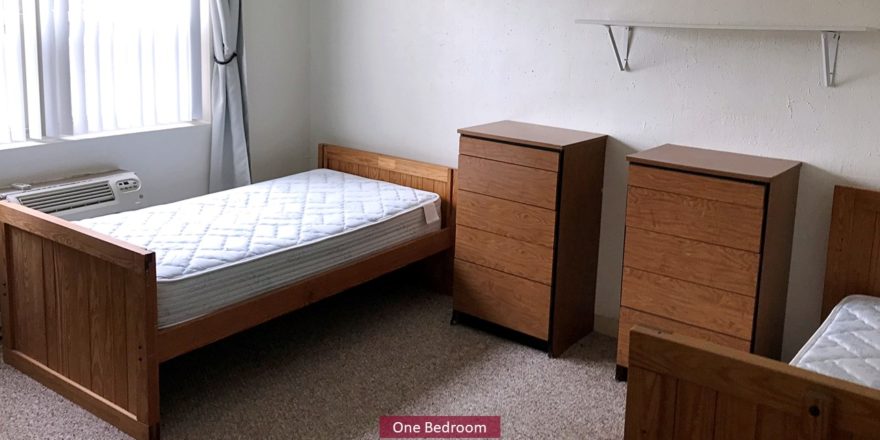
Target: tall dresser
[707,247]
[528,209]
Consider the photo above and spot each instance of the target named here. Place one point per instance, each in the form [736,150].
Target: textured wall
[277,48]
[172,163]
[400,76]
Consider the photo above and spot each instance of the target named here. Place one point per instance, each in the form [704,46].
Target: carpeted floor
[330,371]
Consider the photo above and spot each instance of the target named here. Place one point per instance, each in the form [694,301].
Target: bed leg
[621,373]
[437,270]
[154,432]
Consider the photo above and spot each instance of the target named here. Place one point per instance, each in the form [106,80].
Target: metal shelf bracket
[830,46]
[624,63]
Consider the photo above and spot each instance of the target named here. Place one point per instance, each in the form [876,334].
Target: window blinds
[13,111]
[111,64]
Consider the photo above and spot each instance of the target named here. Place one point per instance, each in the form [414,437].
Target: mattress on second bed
[223,248]
[847,345]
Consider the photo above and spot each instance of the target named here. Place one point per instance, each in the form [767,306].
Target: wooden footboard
[79,315]
[683,388]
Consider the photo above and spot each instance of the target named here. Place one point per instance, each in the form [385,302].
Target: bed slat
[53,308]
[735,418]
[26,274]
[773,424]
[650,412]
[73,290]
[694,411]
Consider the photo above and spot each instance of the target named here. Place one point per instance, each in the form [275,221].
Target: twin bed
[682,388]
[227,247]
[91,308]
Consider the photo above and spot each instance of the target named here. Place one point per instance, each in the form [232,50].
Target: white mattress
[223,248]
[847,345]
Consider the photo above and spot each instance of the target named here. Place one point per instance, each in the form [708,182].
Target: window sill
[17,145]
[101,135]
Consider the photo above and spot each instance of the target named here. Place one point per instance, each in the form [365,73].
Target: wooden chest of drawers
[528,208]
[708,246]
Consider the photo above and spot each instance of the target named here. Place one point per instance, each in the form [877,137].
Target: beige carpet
[329,372]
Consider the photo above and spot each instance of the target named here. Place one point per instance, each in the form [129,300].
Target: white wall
[277,48]
[172,163]
[400,76]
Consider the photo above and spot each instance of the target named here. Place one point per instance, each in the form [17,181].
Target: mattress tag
[431,214]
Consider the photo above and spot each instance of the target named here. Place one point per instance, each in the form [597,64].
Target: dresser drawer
[529,157]
[702,263]
[515,257]
[503,299]
[510,219]
[712,221]
[507,181]
[630,318]
[712,309]
[695,185]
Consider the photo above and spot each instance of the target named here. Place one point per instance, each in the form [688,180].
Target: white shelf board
[749,27]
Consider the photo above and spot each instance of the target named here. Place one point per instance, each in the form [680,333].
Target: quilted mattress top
[847,345]
[207,233]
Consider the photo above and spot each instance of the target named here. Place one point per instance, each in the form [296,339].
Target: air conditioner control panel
[128,185]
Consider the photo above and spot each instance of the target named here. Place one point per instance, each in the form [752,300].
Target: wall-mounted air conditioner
[80,197]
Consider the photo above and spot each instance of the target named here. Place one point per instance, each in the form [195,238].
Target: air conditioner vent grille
[71,197]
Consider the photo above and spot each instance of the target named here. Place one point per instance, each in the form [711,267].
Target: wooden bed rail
[680,387]
[202,331]
[79,315]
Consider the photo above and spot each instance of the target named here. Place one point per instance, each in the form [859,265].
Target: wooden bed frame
[682,388]
[79,308]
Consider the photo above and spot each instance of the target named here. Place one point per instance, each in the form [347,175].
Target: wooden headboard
[853,266]
[420,175]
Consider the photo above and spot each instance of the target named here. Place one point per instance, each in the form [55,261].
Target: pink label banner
[449,427]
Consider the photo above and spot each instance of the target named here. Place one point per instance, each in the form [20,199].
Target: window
[12,85]
[72,67]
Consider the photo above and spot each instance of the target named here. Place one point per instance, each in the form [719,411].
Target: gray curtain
[230,164]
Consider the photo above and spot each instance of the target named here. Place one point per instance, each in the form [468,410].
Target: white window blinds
[111,64]
[73,67]
[13,112]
